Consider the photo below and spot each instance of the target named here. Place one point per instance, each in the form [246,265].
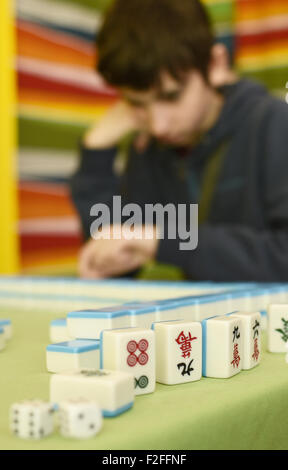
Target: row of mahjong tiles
[60,294]
[214,405]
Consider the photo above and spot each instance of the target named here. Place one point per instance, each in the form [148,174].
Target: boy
[200,136]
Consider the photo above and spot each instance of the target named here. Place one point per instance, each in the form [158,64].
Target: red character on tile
[185,343]
[236,357]
[256,352]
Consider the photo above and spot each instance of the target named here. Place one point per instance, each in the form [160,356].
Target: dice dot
[16,421]
[92,426]
[41,432]
[80,416]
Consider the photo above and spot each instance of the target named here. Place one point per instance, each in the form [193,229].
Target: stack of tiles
[90,323]
[178,351]
[112,390]
[131,350]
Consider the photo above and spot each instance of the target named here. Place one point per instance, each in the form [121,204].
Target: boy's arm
[94,182]
[232,253]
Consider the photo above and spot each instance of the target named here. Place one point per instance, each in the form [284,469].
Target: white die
[79,418]
[32,419]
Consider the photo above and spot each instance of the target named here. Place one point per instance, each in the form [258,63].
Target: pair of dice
[35,419]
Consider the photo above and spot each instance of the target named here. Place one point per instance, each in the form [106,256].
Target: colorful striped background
[59,95]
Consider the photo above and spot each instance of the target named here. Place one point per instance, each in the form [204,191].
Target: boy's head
[140,39]
[160,55]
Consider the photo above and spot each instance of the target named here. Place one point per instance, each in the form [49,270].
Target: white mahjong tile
[258,299]
[58,331]
[141,315]
[178,308]
[2,339]
[113,390]
[251,338]
[90,323]
[168,310]
[178,351]
[131,350]
[277,327]
[238,300]
[75,354]
[7,327]
[222,347]
[212,305]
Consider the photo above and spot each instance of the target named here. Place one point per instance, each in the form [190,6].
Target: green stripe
[222,12]
[94,4]
[273,78]
[47,134]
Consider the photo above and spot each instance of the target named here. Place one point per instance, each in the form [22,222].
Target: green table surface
[247,411]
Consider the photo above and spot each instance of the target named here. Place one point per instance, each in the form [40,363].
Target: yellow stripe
[216,2]
[59,115]
[262,12]
[262,60]
[9,255]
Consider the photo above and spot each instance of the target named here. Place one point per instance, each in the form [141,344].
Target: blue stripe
[1,331]
[230,313]
[5,322]
[127,281]
[122,409]
[204,341]
[168,321]
[25,295]
[76,346]
[101,349]
[59,322]
[98,314]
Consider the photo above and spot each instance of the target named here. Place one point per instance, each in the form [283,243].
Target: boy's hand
[115,124]
[102,258]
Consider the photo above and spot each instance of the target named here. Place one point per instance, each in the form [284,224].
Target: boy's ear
[220,71]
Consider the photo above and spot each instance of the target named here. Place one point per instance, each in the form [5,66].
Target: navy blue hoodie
[244,235]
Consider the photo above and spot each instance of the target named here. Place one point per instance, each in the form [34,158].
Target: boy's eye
[135,103]
[171,96]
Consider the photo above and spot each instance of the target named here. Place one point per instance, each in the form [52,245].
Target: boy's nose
[158,123]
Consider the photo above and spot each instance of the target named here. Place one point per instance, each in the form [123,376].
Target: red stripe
[265,37]
[28,80]
[34,242]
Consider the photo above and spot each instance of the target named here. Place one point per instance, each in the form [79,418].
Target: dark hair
[141,38]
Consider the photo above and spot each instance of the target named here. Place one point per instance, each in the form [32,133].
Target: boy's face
[177,113]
